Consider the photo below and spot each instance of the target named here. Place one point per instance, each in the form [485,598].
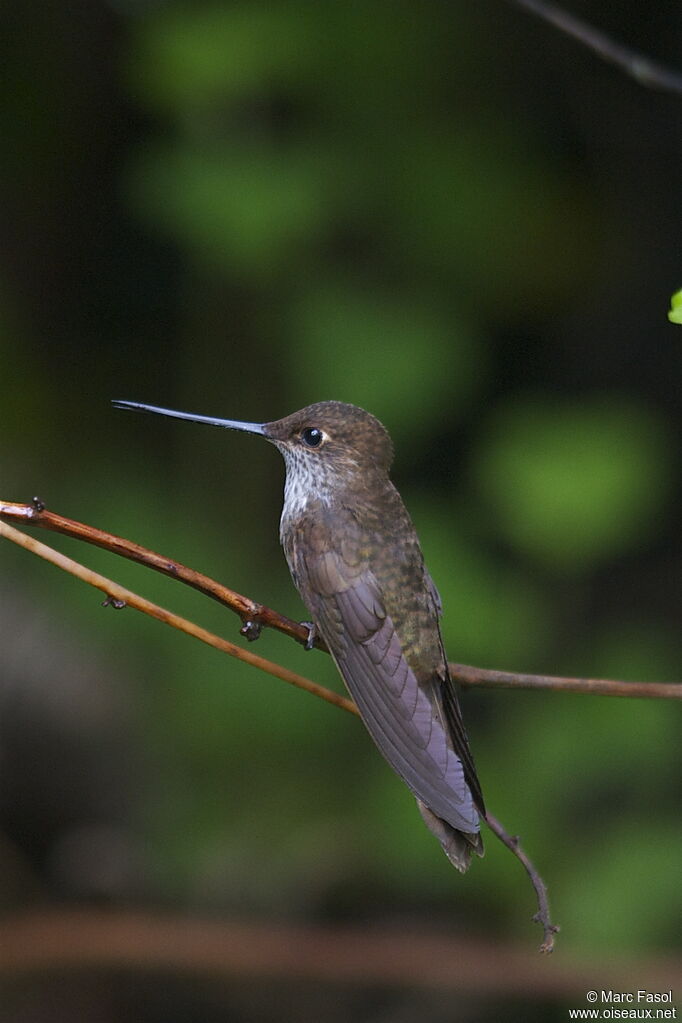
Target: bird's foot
[251,628]
[312,635]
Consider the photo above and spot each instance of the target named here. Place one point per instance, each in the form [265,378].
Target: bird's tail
[458,846]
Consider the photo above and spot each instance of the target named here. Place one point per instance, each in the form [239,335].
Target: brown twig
[254,616]
[122,597]
[645,71]
[488,678]
[542,916]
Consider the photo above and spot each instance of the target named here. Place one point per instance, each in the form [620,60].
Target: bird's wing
[445,693]
[459,738]
[406,726]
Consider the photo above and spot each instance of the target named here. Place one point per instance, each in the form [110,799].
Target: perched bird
[355,559]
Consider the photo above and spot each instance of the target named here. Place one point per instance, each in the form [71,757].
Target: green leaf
[675,314]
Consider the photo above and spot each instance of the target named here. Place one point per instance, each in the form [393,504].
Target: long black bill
[230,424]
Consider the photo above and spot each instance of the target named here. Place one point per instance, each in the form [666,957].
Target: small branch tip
[542,916]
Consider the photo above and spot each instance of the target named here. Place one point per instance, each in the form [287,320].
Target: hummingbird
[356,561]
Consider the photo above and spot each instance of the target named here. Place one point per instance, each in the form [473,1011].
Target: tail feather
[458,846]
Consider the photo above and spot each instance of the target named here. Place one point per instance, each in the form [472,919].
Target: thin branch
[488,678]
[542,916]
[645,71]
[255,616]
[119,596]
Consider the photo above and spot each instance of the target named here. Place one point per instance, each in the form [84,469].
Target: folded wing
[405,719]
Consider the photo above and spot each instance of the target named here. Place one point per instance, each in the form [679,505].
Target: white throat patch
[307,479]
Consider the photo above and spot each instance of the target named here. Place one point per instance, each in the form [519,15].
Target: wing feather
[396,710]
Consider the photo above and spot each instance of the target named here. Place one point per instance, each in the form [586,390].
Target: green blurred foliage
[492,613]
[434,361]
[575,484]
[319,201]
[369,146]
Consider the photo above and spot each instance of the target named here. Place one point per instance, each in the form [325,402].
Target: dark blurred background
[457,218]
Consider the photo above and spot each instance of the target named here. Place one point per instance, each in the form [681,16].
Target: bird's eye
[312,437]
